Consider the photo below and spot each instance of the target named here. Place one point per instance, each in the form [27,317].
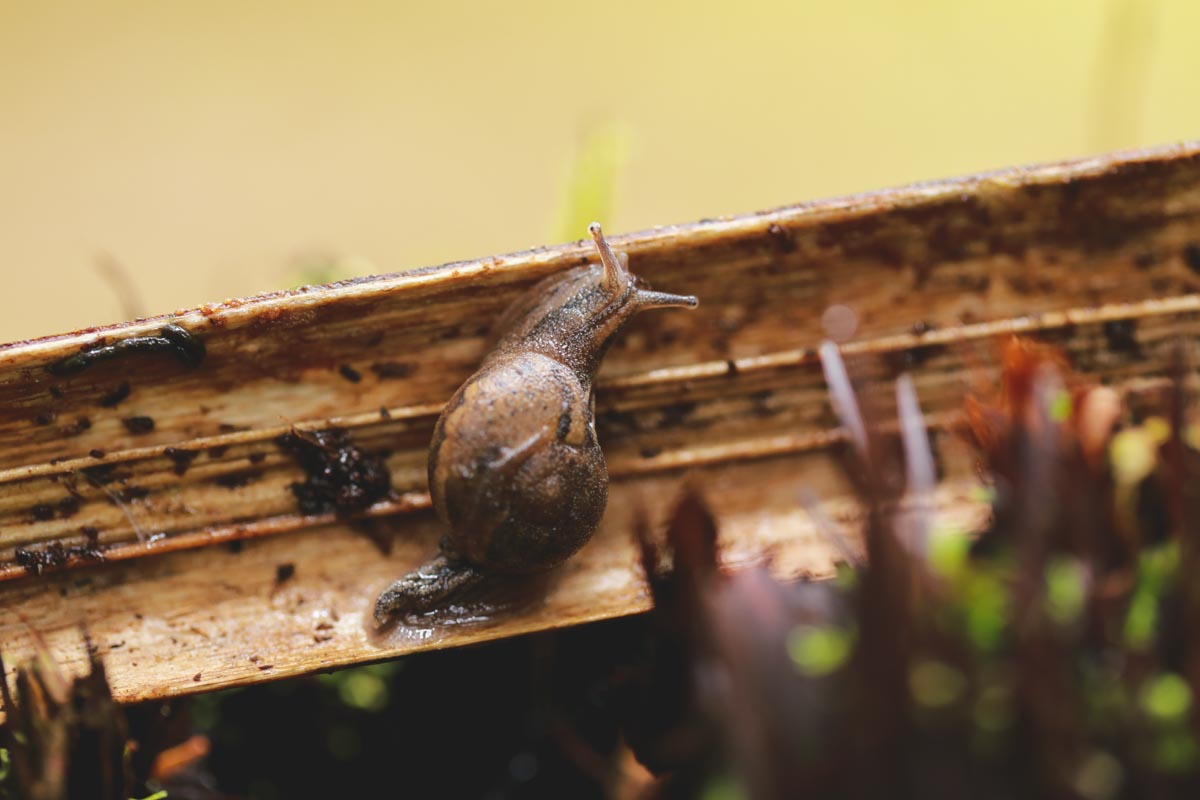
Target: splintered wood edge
[207,618]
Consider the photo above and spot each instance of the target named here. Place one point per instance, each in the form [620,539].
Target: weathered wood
[1100,256]
[209,618]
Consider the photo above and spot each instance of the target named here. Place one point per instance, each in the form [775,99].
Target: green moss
[1165,698]
[1175,752]
[948,551]
[1060,406]
[818,652]
[1066,590]
[936,684]
[993,712]
[723,787]
[986,611]
[364,690]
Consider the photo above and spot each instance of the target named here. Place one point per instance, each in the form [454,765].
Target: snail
[515,470]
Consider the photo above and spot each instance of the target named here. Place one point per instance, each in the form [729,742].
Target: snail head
[621,285]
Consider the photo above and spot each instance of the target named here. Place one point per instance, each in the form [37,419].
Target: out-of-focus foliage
[1053,656]
[591,182]
[61,738]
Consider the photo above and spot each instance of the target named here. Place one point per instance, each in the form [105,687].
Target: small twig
[123,286]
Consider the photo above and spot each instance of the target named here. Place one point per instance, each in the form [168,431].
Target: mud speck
[67,507]
[103,474]
[922,327]
[781,238]
[910,358]
[1191,256]
[138,425]
[284,572]
[1121,335]
[235,480]
[340,476]
[385,370]
[676,413]
[130,493]
[114,398]
[180,458]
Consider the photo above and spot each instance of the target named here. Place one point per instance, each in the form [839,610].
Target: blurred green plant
[364,688]
[1123,62]
[590,185]
[818,651]
[1051,655]
[724,787]
[319,266]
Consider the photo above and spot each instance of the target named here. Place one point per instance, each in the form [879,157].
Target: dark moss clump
[55,554]
[340,477]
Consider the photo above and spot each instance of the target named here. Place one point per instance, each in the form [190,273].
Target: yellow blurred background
[224,148]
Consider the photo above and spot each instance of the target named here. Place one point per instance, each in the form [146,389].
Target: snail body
[515,469]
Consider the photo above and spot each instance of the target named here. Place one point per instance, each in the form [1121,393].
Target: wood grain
[1101,257]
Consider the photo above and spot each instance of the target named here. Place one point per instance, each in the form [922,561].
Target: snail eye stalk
[615,273]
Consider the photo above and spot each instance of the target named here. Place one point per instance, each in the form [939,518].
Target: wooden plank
[1101,256]
[209,618]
